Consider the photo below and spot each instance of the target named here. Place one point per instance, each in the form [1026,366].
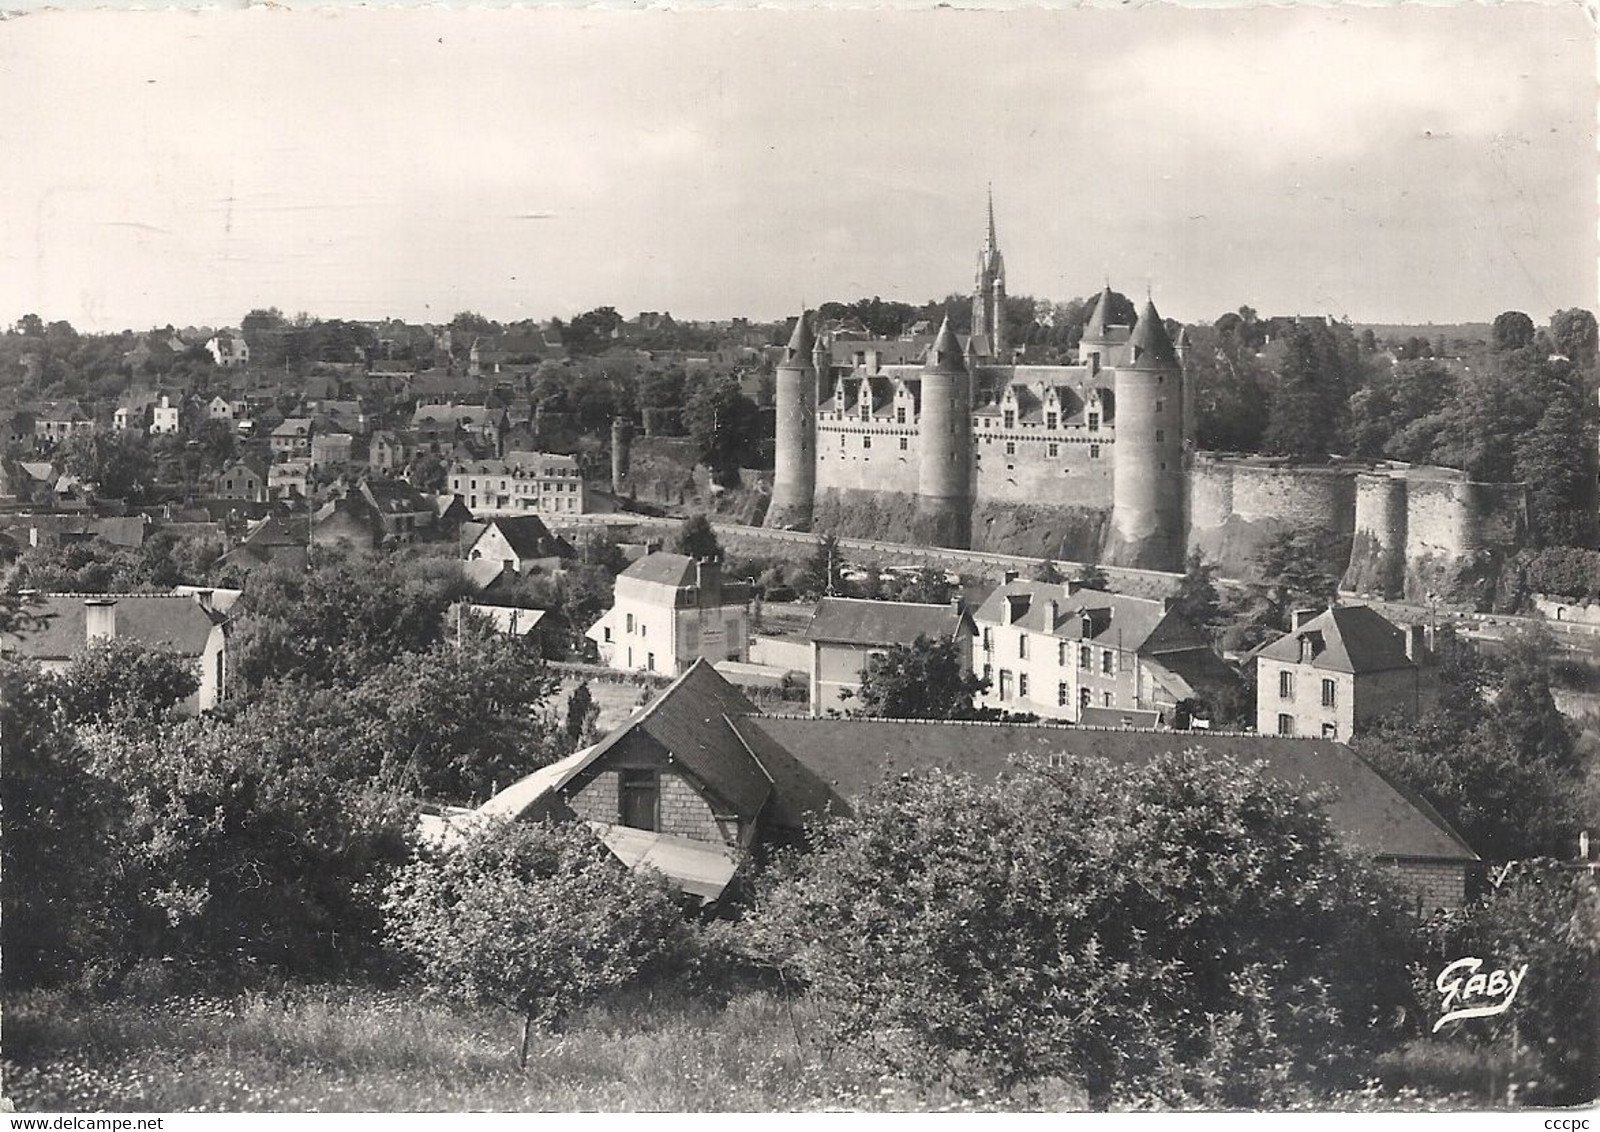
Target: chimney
[100,618]
[1052,610]
[955,605]
[1583,845]
[1299,617]
[1416,643]
[1008,577]
[203,598]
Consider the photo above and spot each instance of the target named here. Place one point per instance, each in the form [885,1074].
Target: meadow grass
[348,1049]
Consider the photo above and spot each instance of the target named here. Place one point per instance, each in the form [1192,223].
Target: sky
[1406,164]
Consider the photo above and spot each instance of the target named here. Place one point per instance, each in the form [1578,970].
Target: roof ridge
[1060,725]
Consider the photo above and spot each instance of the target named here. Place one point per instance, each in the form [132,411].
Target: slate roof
[851,755]
[1151,347]
[662,568]
[1116,620]
[530,538]
[1354,639]
[396,497]
[862,621]
[169,621]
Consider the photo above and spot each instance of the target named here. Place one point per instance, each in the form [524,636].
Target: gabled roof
[1353,638]
[396,497]
[529,537]
[662,568]
[861,621]
[1115,620]
[169,621]
[1368,812]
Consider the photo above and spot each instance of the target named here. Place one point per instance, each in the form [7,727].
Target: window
[650,662]
[1094,422]
[1022,686]
[1011,448]
[1330,730]
[1094,452]
[903,444]
[1005,683]
[1161,434]
[608,633]
[1329,693]
[1106,700]
[1022,646]
[866,442]
[1160,404]
[643,629]
[639,798]
[1108,662]
[1050,420]
[1061,654]
[900,415]
[1010,418]
[630,622]
[1085,698]
[841,442]
[1084,658]
[988,639]
[1286,685]
[1285,725]
[1061,695]
[988,674]
[1054,449]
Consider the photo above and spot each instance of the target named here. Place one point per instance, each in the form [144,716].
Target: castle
[957,444]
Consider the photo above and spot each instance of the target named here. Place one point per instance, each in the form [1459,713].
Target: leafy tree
[121,680]
[428,473]
[696,538]
[258,320]
[541,920]
[922,680]
[1308,401]
[1046,572]
[927,586]
[1138,929]
[591,332]
[1556,459]
[822,568]
[471,323]
[1092,577]
[583,717]
[1197,601]
[1513,330]
[1576,335]
[1293,574]
[1229,389]
[724,424]
[30,326]
[119,464]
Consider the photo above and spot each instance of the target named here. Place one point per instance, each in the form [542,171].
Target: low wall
[776,653]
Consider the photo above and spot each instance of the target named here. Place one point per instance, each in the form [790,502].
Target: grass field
[349,1050]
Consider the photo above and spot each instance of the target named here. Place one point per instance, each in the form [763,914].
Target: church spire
[994,241]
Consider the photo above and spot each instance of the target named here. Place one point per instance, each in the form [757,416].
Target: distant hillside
[1465,331]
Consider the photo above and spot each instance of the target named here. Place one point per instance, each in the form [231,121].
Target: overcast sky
[1391,165]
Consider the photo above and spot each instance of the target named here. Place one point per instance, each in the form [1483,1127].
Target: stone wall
[1237,506]
[1433,884]
[1459,537]
[684,813]
[661,469]
[1062,531]
[1079,474]
[855,513]
[844,463]
[1378,549]
[600,800]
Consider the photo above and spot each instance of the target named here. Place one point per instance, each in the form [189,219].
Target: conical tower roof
[1151,346]
[1097,330]
[945,353]
[800,342]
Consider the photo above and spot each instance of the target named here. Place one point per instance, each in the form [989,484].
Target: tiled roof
[1370,813]
[1353,638]
[1115,620]
[861,621]
[169,621]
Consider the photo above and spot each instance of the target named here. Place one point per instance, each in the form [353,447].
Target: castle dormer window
[1010,418]
[1094,422]
[1050,420]
[900,415]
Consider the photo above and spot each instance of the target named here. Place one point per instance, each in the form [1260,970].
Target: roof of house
[396,497]
[861,621]
[1113,620]
[663,568]
[853,754]
[293,426]
[169,621]
[528,537]
[1345,638]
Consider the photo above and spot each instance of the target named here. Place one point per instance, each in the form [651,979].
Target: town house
[669,611]
[846,632]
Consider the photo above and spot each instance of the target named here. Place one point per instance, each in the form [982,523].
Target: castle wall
[795,457]
[944,466]
[1077,475]
[1066,532]
[1147,471]
[888,516]
[1238,506]
[846,463]
[1459,535]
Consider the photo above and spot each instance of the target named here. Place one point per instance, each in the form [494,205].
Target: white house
[540,483]
[669,610]
[165,417]
[229,348]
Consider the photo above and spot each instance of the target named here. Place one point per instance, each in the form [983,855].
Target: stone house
[166,419]
[330,449]
[1060,651]
[521,543]
[390,450]
[539,482]
[845,633]
[670,610]
[699,780]
[1338,671]
[56,420]
[292,439]
[185,624]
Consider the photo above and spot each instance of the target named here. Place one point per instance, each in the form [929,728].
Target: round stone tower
[944,438]
[1378,549]
[1147,456]
[621,445]
[794,477]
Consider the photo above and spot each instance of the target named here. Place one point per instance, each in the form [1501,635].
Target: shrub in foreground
[540,919]
[1185,932]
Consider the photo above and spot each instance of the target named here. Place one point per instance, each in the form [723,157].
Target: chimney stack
[100,618]
[1008,577]
[1053,613]
[1416,643]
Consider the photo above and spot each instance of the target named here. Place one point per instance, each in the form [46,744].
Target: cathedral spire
[994,241]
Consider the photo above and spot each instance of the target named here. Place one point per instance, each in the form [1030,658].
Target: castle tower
[1147,458]
[1098,345]
[621,451]
[989,295]
[794,478]
[944,437]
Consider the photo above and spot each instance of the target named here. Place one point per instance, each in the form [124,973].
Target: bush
[1188,931]
[540,919]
